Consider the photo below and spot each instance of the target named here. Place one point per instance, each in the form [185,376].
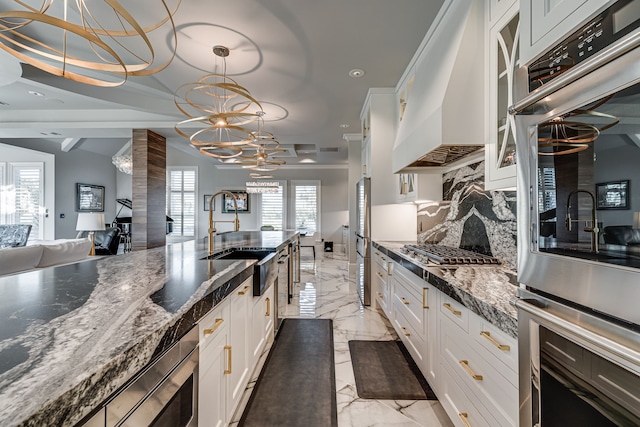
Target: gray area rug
[297,386]
[384,370]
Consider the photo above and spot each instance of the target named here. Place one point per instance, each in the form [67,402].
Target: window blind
[29,195]
[181,201]
[306,206]
[272,209]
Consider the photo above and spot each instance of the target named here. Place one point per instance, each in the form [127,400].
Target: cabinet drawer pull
[268,313]
[215,326]
[451,309]
[493,341]
[424,298]
[379,274]
[465,365]
[404,301]
[389,269]
[379,294]
[383,258]
[227,348]
[244,290]
[463,416]
[404,331]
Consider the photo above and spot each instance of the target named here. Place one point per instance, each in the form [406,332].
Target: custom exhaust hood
[443,122]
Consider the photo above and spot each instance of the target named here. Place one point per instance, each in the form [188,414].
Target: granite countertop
[72,335]
[485,290]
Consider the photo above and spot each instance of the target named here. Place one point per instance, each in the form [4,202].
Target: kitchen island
[71,336]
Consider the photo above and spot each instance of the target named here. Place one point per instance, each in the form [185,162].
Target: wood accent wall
[148,227]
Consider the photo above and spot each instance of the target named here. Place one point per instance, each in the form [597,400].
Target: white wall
[334,202]
[9,153]
[75,166]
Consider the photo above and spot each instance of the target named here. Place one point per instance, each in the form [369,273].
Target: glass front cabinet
[500,152]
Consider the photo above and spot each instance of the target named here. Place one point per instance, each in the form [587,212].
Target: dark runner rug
[385,370]
[297,385]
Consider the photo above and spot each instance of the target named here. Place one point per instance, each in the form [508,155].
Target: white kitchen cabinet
[414,319]
[381,267]
[262,323]
[418,187]
[214,365]
[240,302]
[365,158]
[502,63]
[545,23]
[497,8]
[483,364]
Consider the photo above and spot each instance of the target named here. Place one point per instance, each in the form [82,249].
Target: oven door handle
[595,339]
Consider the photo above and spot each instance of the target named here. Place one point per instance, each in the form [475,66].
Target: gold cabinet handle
[463,416]
[227,348]
[244,290]
[451,309]
[380,295]
[404,301]
[383,258]
[493,341]
[268,313]
[404,331]
[215,326]
[379,274]
[424,298]
[389,269]
[465,365]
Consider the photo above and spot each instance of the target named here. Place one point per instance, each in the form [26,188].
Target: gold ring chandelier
[115,41]
[223,107]
[559,136]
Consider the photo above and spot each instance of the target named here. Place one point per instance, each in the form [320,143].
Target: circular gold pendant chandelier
[217,109]
[106,29]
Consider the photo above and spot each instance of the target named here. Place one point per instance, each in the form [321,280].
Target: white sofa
[43,254]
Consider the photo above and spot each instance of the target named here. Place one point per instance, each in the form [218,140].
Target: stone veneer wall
[470,217]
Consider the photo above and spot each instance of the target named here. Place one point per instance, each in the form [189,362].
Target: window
[306,197]
[272,208]
[181,200]
[23,196]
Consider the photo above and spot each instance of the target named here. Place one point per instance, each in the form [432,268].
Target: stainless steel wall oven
[578,156]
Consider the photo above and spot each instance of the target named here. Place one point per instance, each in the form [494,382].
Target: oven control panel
[615,22]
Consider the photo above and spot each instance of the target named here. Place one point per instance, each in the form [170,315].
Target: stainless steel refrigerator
[363,240]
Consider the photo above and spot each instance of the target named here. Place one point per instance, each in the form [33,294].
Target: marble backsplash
[470,217]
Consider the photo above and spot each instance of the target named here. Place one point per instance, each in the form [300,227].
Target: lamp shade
[90,221]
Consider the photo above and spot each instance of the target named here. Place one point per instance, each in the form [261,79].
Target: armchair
[106,241]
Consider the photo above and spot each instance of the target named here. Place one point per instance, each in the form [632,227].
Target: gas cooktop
[446,255]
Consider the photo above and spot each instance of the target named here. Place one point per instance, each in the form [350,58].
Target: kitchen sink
[265,271]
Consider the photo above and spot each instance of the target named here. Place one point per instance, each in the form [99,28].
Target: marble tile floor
[325,291]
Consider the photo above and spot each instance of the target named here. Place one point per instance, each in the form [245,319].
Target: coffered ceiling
[294,56]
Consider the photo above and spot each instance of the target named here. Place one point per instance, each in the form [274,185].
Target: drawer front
[455,312]
[382,292]
[458,405]
[380,272]
[498,395]
[498,344]
[214,323]
[409,336]
[409,301]
[381,260]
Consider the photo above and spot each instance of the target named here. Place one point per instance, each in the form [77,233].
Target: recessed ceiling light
[34,93]
[356,72]
[344,125]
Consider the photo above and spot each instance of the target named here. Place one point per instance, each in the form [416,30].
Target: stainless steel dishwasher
[284,284]
[165,393]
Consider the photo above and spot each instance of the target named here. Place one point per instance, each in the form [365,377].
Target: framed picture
[243,202]
[207,198]
[89,198]
[613,195]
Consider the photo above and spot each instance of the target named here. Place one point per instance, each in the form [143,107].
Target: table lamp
[90,222]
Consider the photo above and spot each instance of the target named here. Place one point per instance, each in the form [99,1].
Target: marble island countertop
[72,335]
[485,290]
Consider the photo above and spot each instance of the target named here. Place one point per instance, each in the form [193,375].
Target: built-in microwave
[578,151]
